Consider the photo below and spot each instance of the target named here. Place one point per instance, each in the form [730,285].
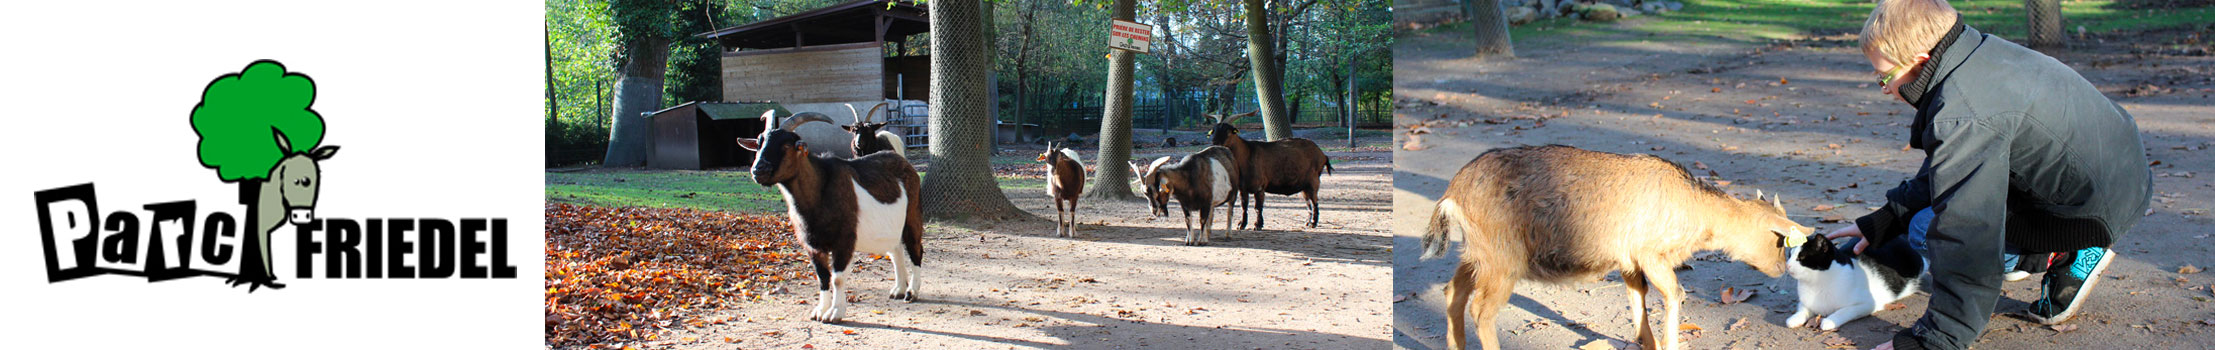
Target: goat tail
[899,146]
[1444,219]
[1327,166]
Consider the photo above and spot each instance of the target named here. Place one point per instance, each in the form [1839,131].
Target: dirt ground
[1125,281]
[1800,119]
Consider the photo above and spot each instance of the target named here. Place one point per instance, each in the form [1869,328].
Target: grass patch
[725,191]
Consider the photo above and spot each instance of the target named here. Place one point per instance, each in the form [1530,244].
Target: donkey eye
[302,182]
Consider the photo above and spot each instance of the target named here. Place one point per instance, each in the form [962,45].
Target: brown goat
[1558,214]
[1199,182]
[871,137]
[839,206]
[1286,167]
[1064,181]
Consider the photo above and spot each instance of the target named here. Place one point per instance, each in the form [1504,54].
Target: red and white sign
[1130,36]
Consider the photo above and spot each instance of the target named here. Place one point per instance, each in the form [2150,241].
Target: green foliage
[695,63]
[1198,56]
[242,115]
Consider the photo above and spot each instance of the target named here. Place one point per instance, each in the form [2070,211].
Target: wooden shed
[834,54]
[825,59]
[700,135]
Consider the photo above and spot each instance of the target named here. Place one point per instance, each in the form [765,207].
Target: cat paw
[1829,325]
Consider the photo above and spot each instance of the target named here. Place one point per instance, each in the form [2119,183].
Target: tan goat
[1558,214]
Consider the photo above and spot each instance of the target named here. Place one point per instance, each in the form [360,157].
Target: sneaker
[2065,291]
[2020,268]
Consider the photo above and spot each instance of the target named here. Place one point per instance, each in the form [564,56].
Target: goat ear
[750,144]
[1792,238]
[849,128]
[321,153]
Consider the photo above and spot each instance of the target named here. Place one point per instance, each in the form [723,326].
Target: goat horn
[793,122]
[857,114]
[1241,115]
[769,119]
[873,110]
[1758,196]
[1777,201]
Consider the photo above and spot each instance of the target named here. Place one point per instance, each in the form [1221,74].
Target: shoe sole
[2091,280]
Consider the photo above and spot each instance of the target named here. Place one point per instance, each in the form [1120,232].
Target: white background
[437,107]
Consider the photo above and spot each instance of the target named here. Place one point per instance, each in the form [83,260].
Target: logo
[258,132]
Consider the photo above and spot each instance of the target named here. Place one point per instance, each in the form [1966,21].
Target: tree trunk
[1491,27]
[1268,82]
[2045,23]
[960,182]
[1112,174]
[638,92]
[553,109]
[1022,68]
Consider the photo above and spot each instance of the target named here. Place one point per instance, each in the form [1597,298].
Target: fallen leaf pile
[612,271]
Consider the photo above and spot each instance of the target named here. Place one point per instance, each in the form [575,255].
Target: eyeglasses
[1886,80]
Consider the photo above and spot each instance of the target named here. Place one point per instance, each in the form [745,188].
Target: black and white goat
[841,206]
[871,137]
[1286,167]
[1199,182]
[1064,181]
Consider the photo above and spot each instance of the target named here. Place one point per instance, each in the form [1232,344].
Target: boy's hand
[1849,231]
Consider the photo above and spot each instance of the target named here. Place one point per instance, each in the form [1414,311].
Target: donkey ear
[322,153]
[283,145]
[750,144]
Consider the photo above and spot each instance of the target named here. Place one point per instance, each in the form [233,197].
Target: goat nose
[302,216]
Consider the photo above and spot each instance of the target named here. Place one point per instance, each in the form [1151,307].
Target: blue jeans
[1918,229]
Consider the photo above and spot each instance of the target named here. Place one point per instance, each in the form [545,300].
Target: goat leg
[822,285]
[1259,204]
[1190,238]
[1457,308]
[1205,218]
[1241,209]
[1314,212]
[1664,280]
[1634,286]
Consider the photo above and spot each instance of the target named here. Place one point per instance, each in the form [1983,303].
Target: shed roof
[725,111]
[852,22]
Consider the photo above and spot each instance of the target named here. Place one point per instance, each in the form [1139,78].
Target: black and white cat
[1842,287]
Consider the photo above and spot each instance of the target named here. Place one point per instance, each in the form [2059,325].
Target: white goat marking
[1072,154]
[1222,177]
[879,224]
[792,213]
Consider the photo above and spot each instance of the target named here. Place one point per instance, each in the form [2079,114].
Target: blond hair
[1900,29]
